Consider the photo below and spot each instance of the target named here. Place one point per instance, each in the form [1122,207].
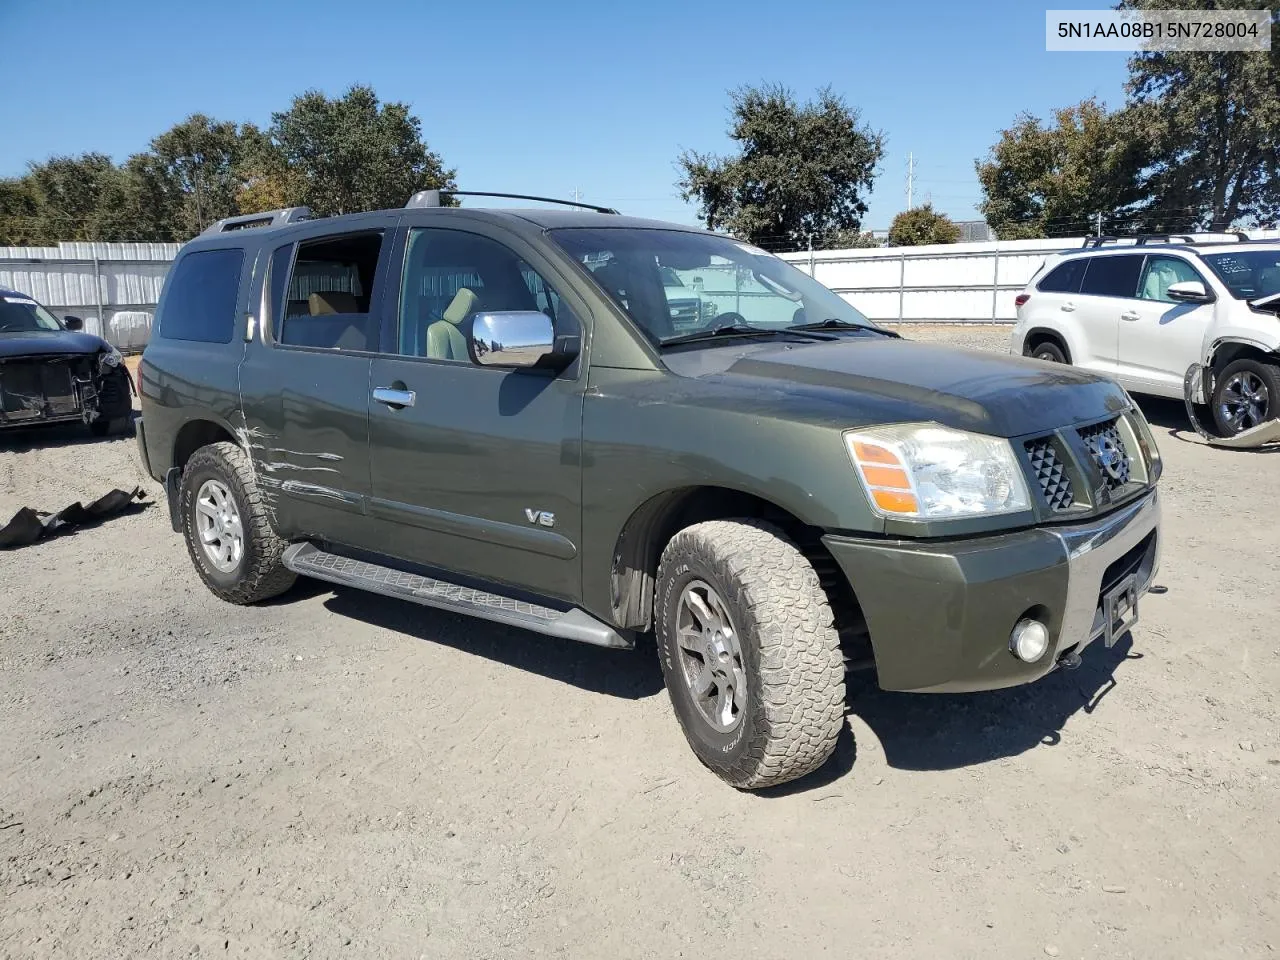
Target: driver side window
[449,277]
[1161,273]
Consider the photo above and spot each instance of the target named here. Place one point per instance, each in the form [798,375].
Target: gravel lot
[338,775]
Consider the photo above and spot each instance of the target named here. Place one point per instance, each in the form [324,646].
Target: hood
[42,343]
[887,381]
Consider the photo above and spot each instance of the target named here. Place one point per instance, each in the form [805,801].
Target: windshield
[735,283]
[1248,274]
[20,314]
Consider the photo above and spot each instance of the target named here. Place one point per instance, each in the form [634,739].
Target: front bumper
[940,613]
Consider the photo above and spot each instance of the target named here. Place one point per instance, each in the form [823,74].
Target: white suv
[1143,313]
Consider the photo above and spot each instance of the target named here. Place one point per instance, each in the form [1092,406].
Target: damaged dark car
[51,371]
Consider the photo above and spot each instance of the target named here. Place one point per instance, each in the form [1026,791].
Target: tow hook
[1069,660]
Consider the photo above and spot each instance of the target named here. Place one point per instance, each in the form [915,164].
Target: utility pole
[911,180]
[1098,232]
[577,195]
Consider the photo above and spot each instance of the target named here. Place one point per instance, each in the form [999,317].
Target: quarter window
[200,302]
[1064,278]
[449,277]
[329,291]
[1112,276]
[1163,272]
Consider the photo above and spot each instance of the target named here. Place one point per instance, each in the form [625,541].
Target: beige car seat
[445,339]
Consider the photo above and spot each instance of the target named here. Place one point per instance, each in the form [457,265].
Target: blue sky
[552,97]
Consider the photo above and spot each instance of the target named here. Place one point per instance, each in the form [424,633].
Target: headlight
[922,471]
[110,358]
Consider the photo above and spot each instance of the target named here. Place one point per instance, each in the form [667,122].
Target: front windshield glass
[735,283]
[1248,274]
[23,315]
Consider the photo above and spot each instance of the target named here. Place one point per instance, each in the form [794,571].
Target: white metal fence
[112,287]
[941,283]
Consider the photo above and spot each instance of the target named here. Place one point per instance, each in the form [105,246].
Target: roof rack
[431,198]
[268,218]
[1141,239]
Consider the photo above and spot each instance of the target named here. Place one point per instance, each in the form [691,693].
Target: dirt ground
[334,774]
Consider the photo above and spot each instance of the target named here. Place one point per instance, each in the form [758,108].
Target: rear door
[305,383]
[481,474]
[1109,288]
[1160,338]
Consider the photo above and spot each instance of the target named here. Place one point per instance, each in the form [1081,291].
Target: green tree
[195,170]
[20,224]
[1214,122]
[350,154]
[1043,181]
[921,225]
[79,198]
[801,170]
[850,240]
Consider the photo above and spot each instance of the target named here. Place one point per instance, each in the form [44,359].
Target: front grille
[38,388]
[683,312]
[1051,471]
[1106,448]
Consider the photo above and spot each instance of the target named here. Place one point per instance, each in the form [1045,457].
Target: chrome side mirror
[1188,291]
[515,338]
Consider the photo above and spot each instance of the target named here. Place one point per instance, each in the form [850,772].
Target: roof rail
[1140,239]
[431,198]
[268,218]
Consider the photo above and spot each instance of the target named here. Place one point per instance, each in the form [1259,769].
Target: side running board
[310,561]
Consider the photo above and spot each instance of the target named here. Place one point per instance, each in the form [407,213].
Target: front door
[476,470]
[305,385]
[1160,338]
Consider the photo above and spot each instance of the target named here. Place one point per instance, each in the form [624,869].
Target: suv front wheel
[749,652]
[1245,394]
[228,533]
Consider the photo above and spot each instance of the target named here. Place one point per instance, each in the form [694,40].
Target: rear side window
[1064,278]
[200,302]
[1112,276]
[329,291]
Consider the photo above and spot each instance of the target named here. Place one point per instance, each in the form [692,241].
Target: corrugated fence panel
[958,282]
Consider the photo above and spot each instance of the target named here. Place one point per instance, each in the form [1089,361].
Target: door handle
[1130,315]
[396,399]
[1068,307]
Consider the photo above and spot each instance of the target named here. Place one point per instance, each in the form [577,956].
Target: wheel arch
[196,433]
[1039,334]
[651,526]
[1227,350]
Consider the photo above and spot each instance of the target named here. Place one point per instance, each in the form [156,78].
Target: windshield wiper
[739,330]
[831,323]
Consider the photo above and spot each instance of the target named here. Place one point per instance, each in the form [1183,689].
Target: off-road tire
[1268,373]
[259,575]
[1049,351]
[790,651]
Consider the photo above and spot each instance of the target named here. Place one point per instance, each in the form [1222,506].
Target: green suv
[490,412]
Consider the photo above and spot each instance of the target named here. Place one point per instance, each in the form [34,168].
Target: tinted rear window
[1112,276]
[200,302]
[1064,278]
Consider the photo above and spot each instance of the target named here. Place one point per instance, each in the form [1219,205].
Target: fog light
[1029,641]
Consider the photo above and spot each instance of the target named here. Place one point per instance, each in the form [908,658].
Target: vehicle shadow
[947,731]
[23,439]
[631,675]
[1171,416]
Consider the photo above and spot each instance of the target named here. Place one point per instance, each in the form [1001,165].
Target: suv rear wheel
[1048,350]
[228,533]
[749,652]
[1245,394]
